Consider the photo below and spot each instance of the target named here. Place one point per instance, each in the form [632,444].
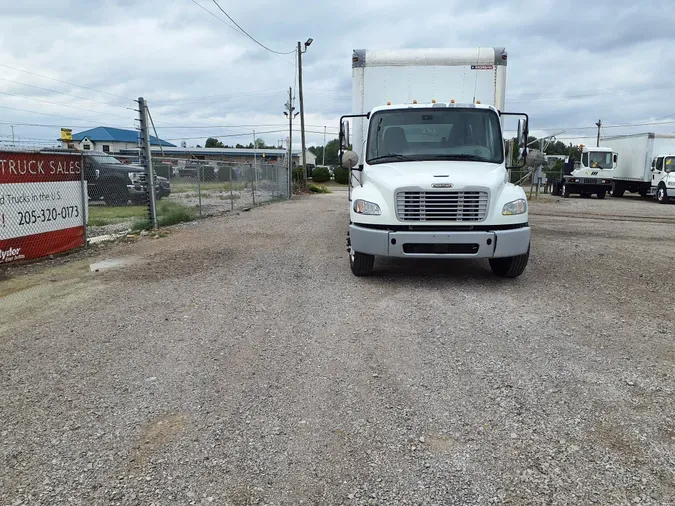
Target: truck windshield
[107,159]
[669,163]
[600,160]
[435,134]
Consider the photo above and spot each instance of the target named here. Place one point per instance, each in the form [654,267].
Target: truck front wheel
[361,263]
[662,195]
[565,191]
[510,267]
[618,190]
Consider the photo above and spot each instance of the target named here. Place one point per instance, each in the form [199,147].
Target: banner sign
[41,209]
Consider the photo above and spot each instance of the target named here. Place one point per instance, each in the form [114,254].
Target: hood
[423,175]
[123,167]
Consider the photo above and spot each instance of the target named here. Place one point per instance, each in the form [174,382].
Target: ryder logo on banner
[41,204]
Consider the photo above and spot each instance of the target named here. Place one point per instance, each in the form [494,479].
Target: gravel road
[239,362]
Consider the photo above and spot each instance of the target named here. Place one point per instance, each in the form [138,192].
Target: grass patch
[180,187]
[333,183]
[317,188]
[100,216]
[170,213]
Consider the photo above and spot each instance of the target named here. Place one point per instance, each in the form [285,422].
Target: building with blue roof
[110,140]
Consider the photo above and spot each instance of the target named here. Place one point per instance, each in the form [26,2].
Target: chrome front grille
[441,206]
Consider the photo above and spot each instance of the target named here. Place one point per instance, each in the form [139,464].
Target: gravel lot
[239,362]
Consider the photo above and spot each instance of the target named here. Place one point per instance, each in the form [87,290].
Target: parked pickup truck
[116,183]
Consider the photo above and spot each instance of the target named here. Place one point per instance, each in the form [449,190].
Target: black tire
[585,195]
[602,195]
[361,263]
[617,190]
[565,192]
[116,194]
[510,267]
[662,195]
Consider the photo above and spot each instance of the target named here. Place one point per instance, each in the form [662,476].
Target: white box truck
[644,165]
[428,165]
[593,175]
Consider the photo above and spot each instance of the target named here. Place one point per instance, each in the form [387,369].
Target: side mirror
[344,135]
[615,158]
[349,159]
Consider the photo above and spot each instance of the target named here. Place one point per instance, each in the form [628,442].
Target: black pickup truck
[117,183]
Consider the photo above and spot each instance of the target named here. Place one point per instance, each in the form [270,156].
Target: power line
[66,82]
[53,115]
[214,98]
[555,98]
[601,91]
[202,127]
[277,54]
[249,35]
[24,97]
[626,125]
[243,134]
[212,14]
[63,93]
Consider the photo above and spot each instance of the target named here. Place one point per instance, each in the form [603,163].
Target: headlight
[134,176]
[516,207]
[671,182]
[365,207]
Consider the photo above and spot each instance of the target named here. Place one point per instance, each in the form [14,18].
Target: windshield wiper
[395,156]
[463,156]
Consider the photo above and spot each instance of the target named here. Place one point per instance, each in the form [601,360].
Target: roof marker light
[388,103]
[433,100]
[414,101]
[452,101]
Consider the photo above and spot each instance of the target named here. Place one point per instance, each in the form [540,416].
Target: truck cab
[593,175]
[433,183]
[663,178]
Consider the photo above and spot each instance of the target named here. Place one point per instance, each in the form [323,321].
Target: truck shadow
[397,269]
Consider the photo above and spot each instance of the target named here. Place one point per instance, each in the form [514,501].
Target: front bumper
[420,244]
[670,192]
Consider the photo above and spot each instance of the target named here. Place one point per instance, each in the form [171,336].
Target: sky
[570,64]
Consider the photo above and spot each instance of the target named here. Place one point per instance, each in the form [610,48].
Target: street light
[302,106]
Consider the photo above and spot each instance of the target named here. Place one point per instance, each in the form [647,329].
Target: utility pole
[302,109]
[147,160]
[598,124]
[12,135]
[324,146]
[289,114]
[255,169]
[302,115]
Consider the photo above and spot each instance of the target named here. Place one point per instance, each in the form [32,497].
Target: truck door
[658,172]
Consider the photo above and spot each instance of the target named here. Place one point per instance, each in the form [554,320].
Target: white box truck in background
[428,174]
[644,165]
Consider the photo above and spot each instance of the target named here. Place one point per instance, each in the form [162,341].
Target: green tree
[260,143]
[332,153]
[212,142]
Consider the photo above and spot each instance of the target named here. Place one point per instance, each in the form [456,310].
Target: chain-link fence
[53,200]
[186,189]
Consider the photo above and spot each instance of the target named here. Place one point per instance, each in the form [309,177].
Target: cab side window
[584,159]
[659,164]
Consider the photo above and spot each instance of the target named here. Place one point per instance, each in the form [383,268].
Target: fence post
[199,188]
[147,161]
[85,203]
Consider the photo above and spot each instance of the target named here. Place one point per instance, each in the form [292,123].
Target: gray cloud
[569,64]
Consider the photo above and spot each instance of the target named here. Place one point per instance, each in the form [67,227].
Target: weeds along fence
[187,189]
